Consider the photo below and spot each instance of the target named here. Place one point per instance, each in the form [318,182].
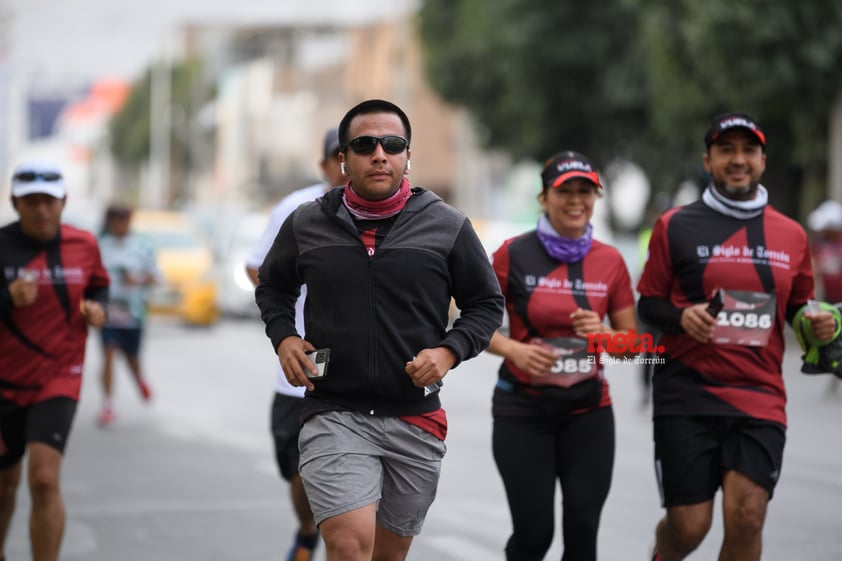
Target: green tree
[130,129]
[781,63]
[642,78]
[539,76]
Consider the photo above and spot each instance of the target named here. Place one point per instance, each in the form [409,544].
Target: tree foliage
[130,129]
[534,74]
[642,78]
[782,66]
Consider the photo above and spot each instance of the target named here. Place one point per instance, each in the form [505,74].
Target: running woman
[553,419]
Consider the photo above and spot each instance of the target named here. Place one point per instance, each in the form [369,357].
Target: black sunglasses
[30,176]
[392,144]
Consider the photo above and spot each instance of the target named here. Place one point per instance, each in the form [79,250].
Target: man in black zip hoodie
[381,261]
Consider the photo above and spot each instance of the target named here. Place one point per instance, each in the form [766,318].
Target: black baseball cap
[567,165]
[728,121]
[118,211]
[330,148]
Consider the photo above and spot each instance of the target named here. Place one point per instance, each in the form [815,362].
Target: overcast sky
[56,40]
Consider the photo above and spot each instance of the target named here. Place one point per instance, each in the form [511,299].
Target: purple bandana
[566,250]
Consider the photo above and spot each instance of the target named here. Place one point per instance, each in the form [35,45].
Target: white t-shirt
[258,253]
[126,257]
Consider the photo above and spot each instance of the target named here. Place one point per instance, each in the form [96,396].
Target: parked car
[185,259]
[234,238]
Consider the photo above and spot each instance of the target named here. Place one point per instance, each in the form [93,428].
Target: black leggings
[531,453]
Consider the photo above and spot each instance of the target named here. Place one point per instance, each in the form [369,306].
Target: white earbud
[407,165]
[342,168]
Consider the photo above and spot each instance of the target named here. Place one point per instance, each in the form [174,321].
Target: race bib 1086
[746,318]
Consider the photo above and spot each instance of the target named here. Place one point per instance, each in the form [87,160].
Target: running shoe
[302,548]
[300,553]
[106,417]
[145,390]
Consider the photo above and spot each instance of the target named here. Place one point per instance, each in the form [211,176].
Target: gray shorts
[350,460]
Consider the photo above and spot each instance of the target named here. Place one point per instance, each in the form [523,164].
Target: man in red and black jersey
[52,287]
[719,398]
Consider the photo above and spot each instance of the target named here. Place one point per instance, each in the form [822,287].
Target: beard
[741,193]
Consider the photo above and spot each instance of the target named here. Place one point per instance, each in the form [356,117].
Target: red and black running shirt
[42,346]
[544,292]
[695,250]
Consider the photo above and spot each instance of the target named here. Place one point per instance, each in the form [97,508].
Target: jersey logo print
[26,257]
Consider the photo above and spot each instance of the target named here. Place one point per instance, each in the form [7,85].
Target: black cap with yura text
[728,121]
[568,165]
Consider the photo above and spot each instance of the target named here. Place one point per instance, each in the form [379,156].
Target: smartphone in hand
[321,358]
[716,303]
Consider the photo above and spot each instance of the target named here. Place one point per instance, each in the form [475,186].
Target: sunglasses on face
[392,144]
[30,176]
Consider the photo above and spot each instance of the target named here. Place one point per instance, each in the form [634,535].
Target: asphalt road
[191,475]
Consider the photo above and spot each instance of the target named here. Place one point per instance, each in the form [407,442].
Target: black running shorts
[693,453]
[286,422]
[47,422]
